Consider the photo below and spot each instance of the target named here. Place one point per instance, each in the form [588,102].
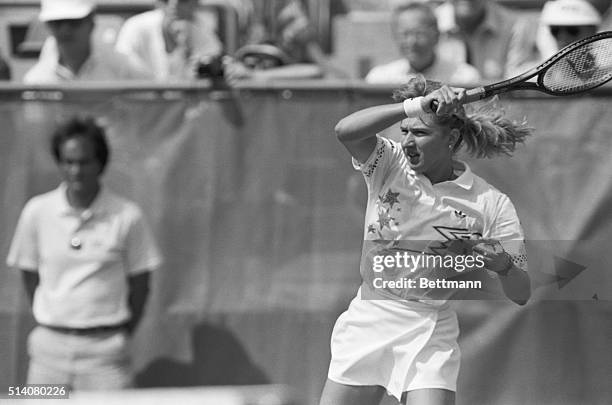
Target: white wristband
[413,107]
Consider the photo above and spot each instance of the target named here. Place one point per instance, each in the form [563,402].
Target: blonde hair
[484,133]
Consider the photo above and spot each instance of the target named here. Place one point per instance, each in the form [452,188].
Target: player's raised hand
[444,100]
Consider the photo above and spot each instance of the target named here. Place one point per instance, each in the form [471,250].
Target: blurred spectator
[5,70]
[71,54]
[485,35]
[561,23]
[85,255]
[172,39]
[281,44]
[567,21]
[415,29]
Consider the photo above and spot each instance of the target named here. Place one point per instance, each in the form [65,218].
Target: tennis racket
[579,67]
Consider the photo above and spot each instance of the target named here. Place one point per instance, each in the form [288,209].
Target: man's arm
[30,281]
[137,298]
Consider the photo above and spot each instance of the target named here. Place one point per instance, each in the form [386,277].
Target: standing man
[85,255]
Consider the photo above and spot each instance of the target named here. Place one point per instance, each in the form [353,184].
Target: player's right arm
[357,132]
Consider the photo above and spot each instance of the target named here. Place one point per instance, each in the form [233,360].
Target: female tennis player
[416,188]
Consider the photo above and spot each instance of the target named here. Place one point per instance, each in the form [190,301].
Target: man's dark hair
[85,128]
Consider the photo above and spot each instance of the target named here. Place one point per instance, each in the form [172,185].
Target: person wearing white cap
[570,20]
[71,54]
[561,23]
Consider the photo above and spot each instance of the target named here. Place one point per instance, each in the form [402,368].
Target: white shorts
[399,345]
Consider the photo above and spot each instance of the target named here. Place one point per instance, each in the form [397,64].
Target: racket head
[579,67]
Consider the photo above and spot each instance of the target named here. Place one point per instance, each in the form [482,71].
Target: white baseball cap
[570,12]
[51,10]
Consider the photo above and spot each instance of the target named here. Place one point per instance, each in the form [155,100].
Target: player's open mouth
[412,155]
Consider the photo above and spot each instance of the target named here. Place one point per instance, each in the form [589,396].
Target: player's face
[79,166]
[425,144]
[417,37]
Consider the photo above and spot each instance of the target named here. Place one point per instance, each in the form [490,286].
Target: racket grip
[471,95]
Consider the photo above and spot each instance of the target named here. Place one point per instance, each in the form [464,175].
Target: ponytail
[487,133]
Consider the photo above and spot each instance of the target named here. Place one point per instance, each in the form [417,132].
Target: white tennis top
[83,257]
[405,207]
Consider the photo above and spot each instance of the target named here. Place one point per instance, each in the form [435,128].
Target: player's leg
[340,394]
[429,396]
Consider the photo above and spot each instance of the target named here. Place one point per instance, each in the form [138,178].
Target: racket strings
[581,69]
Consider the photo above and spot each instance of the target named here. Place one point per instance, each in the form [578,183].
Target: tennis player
[408,347]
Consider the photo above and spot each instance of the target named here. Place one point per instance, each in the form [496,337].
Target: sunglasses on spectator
[73,22]
[572,30]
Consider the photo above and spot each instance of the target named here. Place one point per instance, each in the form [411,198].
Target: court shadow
[218,359]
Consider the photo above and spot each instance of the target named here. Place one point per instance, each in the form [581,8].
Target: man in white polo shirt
[85,255]
[71,53]
[415,29]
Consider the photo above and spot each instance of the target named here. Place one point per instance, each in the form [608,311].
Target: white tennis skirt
[399,345]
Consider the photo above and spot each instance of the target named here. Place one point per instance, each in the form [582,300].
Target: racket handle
[471,95]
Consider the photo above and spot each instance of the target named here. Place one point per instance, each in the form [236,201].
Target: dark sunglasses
[73,22]
[572,30]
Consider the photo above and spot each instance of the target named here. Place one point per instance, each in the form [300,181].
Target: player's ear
[453,137]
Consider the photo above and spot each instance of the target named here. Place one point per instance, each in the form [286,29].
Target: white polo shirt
[83,258]
[443,69]
[104,64]
[405,207]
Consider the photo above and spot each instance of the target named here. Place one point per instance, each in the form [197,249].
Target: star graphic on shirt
[371,228]
[391,198]
[384,219]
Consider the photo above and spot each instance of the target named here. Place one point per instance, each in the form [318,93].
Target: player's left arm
[514,280]
[504,253]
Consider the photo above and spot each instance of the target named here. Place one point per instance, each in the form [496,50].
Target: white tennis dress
[400,338]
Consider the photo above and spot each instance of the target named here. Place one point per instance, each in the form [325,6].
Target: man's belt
[87,331]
